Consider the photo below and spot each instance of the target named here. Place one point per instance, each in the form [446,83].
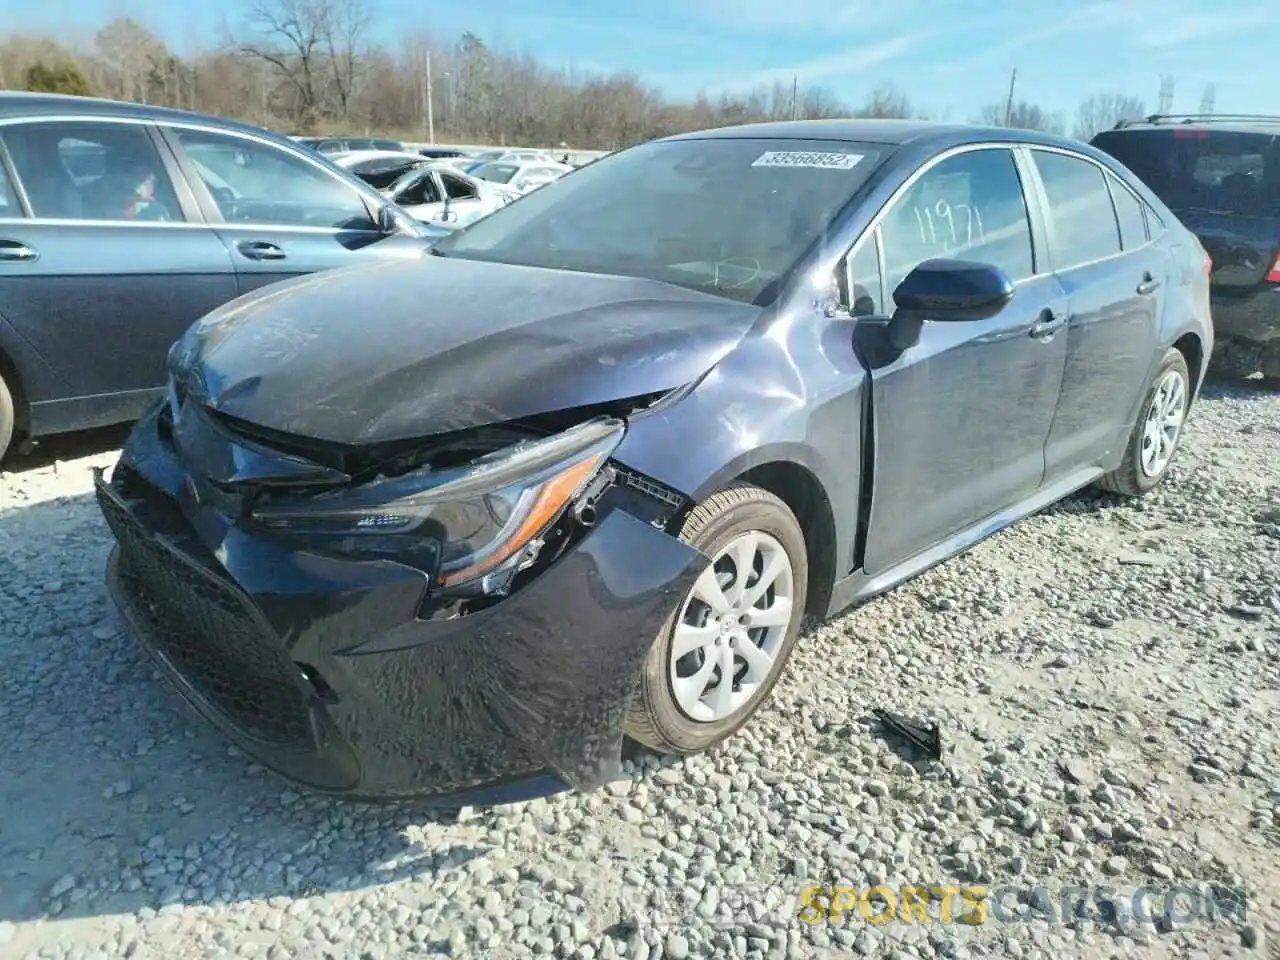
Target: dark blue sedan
[121,224]
[457,526]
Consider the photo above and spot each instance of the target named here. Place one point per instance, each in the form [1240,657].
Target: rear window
[1193,169]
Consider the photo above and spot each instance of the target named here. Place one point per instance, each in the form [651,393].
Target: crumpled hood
[411,349]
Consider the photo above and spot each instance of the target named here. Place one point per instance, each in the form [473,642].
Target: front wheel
[727,643]
[1158,430]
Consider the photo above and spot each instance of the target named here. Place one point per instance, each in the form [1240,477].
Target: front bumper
[322,669]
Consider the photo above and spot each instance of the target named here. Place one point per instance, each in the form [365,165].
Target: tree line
[312,67]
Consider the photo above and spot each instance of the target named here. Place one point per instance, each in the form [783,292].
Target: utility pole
[795,91]
[431,113]
[1008,105]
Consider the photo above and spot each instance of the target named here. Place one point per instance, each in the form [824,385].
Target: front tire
[1158,431]
[723,649]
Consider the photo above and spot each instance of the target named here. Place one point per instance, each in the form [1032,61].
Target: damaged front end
[461,618]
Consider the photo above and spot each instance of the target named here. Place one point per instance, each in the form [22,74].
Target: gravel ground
[1106,674]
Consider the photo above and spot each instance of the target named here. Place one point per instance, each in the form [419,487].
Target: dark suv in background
[1221,175]
[121,224]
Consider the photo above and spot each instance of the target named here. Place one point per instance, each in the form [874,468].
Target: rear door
[110,267]
[1115,290]
[281,213]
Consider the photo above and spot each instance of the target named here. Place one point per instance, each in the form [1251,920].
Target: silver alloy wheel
[731,627]
[1165,416]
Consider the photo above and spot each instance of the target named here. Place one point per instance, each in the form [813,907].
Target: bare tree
[886,101]
[1102,111]
[129,54]
[1021,115]
[317,48]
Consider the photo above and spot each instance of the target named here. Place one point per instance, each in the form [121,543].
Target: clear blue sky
[951,56]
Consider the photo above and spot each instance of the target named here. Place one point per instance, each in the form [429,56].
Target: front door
[960,419]
[1115,282]
[110,267]
[280,213]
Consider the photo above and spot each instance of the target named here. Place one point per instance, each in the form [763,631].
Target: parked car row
[456,521]
[121,224]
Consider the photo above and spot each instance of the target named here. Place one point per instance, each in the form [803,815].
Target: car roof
[891,132]
[355,156]
[18,103]
[1229,123]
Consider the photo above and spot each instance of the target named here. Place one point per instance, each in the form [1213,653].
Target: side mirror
[946,290]
[954,290]
[388,222]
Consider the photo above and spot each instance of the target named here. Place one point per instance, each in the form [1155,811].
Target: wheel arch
[13,380]
[1192,350]
[804,494]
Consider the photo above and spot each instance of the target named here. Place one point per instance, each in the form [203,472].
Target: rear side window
[91,171]
[1133,223]
[1218,170]
[1084,221]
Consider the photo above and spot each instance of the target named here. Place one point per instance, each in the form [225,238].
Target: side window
[969,206]
[1133,222]
[864,293]
[1084,221]
[9,206]
[91,171]
[457,188]
[422,190]
[254,182]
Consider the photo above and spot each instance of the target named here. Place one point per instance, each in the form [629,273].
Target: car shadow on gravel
[118,797]
[65,446]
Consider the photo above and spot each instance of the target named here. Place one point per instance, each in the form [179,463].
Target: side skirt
[858,587]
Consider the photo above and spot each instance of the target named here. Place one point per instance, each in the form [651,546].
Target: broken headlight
[477,521]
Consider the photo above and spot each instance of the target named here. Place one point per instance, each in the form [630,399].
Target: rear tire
[683,705]
[1155,438]
[6,418]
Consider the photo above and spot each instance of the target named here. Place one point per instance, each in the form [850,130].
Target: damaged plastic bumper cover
[323,670]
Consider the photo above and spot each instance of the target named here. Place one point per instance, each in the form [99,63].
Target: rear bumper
[322,670]
[1256,318]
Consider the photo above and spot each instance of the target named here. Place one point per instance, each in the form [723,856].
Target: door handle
[16,250]
[1148,285]
[1048,324]
[260,250]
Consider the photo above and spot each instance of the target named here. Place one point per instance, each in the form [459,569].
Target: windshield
[1194,169]
[729,216]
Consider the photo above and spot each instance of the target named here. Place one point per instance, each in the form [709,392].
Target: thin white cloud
[798,16]
[816,70]
[1199,25]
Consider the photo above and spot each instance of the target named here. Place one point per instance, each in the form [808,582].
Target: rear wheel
[6,418]
[722,651]
[1156,434]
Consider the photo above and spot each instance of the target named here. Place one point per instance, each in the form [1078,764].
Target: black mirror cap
[944,289]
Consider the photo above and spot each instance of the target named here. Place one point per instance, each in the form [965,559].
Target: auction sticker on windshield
[825,161]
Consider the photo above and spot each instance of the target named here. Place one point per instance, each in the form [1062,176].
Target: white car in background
[440,193]
[521,177]
[379,168]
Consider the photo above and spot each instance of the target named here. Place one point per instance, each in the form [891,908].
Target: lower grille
[206,630]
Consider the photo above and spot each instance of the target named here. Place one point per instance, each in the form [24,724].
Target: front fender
[755,408]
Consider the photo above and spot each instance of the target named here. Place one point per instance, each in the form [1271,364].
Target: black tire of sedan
[6,418]
[684,705]
[1160,421]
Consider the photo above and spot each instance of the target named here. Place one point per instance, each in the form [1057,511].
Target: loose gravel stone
[1103,673]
